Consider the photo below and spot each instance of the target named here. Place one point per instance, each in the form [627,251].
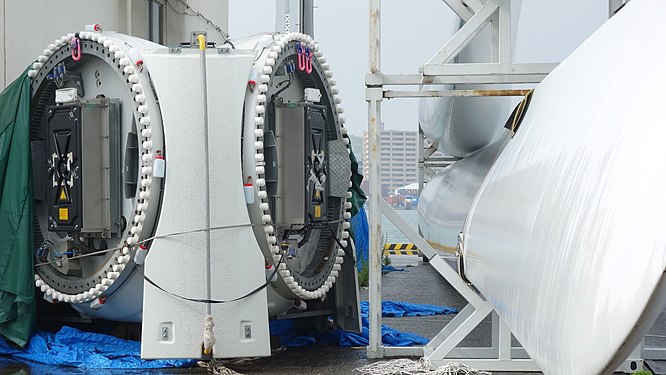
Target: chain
[191,12]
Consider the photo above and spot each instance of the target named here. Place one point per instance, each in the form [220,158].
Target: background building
[399,159]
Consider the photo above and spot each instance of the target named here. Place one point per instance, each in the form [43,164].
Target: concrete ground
[419,283]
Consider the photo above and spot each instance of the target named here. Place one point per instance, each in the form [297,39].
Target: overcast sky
[413,31]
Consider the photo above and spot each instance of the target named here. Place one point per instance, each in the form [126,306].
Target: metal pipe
[375,348]
[208,335]
[390,94]
[128,14]
[306,18]
[282,16]
[422,165]
[204,100]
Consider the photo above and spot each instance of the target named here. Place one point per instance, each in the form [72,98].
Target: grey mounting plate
[194,42]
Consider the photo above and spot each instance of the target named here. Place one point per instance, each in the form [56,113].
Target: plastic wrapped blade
[565,237]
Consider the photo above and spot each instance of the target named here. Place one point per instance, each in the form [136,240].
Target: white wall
[178,27]
[2,44]
[28,26]
[31,25]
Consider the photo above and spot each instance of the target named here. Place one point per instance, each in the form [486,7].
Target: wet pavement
[418,283]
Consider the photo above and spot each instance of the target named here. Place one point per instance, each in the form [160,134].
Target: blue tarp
[72,347]
[391,308]
[387,269]
[390,336]
[360,232]
[289,336]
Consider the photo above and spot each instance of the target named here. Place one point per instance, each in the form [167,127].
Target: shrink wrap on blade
[566,236]
[446,199]
[462,126]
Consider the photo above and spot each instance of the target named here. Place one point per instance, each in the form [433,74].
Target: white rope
[459,369]
[148,239]
[217,368]
[208,335]
[410,367]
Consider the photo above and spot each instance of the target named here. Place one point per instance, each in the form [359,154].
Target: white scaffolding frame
[444,347]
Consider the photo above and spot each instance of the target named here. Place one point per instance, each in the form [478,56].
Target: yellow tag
[63,196]
[317,194]
[317,211]
[63,213]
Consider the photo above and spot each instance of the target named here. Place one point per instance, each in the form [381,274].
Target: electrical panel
[316,163]
[83,143]
[64,153]
[302,164]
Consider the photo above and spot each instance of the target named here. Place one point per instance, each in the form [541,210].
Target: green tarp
[17,307]
[358,196]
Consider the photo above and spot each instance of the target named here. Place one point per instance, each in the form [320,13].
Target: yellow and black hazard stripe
[401,249]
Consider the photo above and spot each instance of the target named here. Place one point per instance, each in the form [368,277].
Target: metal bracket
[373,93]
[194,41]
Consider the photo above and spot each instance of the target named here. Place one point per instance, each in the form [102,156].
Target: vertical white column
[374,97]
[504,39]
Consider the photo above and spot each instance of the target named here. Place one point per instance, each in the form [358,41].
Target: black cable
[286,235]
[201,300]
[306,231]
[291,79]
[277,85]
[259,54]
[342,247]
[254,291]
[83,247]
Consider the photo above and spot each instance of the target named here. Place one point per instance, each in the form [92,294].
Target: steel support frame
[374,98]
[443,348]
[428,163]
